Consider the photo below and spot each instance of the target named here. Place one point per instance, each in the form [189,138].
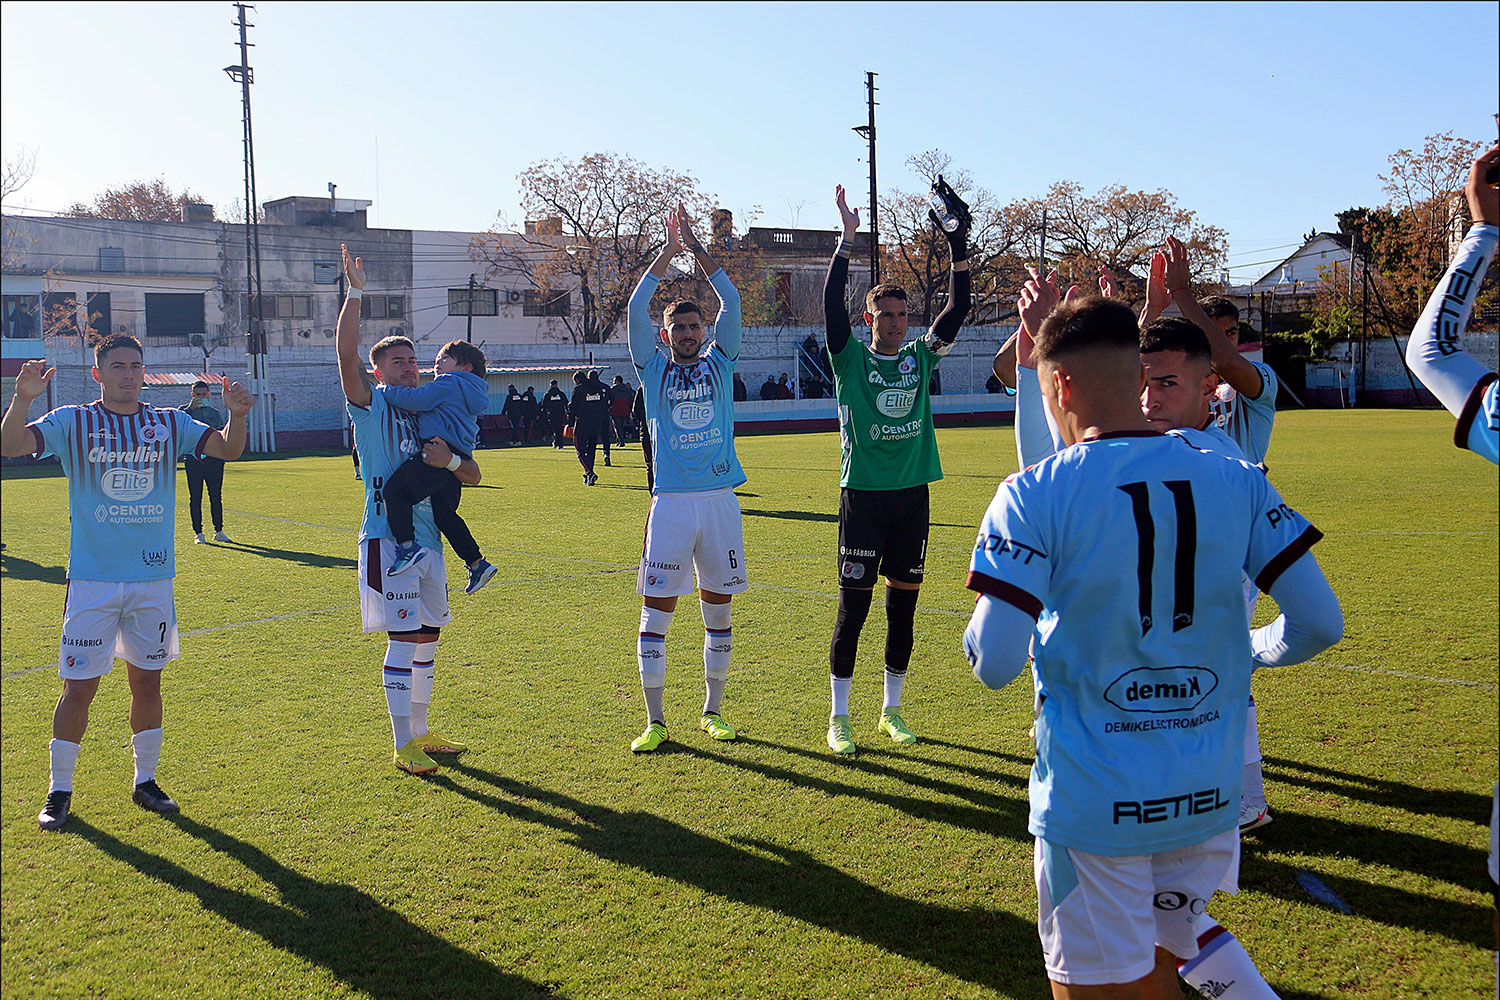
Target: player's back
[1135,545]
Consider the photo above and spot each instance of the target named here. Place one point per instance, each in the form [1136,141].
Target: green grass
[553,863]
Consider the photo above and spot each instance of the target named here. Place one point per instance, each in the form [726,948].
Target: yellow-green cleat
[654,736]
[840,734]
[433,743]
[716,727]
[413,760]
[896,728]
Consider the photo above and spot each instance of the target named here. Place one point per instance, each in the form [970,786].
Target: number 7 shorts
[693,531]
[135,621]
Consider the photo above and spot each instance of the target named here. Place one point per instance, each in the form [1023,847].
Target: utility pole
[262,432]
[469,333]
[868,131]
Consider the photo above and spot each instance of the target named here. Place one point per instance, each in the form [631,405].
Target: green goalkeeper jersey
[886,434]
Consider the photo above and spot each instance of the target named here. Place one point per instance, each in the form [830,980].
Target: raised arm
[1231,366]
[229,444]
[352,378]
[727,325]
[422,398]
[835,311]
[1037,437]
[946,324]
[640,328]
[31,382]
[1434,353]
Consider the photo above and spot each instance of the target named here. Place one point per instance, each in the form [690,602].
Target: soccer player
[1465,387]
[120,457]
[889,455]
[412,609]
[695,516]
[1141,682]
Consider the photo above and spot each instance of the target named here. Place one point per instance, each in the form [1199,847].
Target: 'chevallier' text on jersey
[1130,548]
[690,407]
[122,486]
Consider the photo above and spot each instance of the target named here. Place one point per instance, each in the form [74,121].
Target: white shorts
[402,603]
[1102,918]
[136,622]
[701,529]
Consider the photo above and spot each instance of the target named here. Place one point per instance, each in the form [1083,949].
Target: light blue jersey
[1478,427]
[385,437]
[122,486]
[690,408]
[1249,421]
[1130,549]
[1211,438]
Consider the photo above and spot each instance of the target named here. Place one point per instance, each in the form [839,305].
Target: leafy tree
[139,201]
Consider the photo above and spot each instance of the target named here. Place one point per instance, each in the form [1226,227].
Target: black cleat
[149,796]
[55,813]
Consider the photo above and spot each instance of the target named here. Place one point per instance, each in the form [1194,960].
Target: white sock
[651,660]
[396,676]
[64,754]
[1223,969]
[1253,792]
[840,686]
[422,674]
[147,745]
[893,684]
[718,642]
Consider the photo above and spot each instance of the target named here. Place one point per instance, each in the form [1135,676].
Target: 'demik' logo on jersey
[125,485]
[1160,690]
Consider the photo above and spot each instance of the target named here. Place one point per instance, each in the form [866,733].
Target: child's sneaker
[480,574]
[407,556]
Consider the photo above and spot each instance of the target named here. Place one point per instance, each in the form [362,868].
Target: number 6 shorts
[135,621]
[693,531]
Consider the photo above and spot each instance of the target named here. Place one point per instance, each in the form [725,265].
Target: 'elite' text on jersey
[122,486]
[385,437]
[886,436]
[1130,548]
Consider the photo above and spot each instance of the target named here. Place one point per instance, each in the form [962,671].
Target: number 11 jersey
[1129,550]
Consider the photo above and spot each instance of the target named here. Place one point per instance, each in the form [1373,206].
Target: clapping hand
[849,217]
[238,399]
[354,268]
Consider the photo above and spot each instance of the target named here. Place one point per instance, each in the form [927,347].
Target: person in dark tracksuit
[555,413]
[207,471]
[638,414]
[514,412]
[588,414]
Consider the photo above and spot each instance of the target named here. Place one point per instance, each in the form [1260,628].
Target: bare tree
[17,173]
[1120,229]
[138,201]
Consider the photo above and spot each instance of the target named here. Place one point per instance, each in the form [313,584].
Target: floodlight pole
[261,425]
[868,131]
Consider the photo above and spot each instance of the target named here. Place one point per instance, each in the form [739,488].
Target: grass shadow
[364,943]
[792,515]
[1378,791]
[315,559]
[16,568]
[980,946]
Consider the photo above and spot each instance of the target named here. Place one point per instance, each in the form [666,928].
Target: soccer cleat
[198,539]
[840,734]
[895,727]
[654,736]
[55,813]
[413,760]
[407,556]
[479,574]
[149,796]
[716,727]
[606,460]
[1253,817]
[219,536]
[434,743]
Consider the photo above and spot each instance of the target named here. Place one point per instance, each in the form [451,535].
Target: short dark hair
[1173,333]
[884,290]
[465,353]
[554,381]
[1083,324]
[679,308]
[578,377]
[113,341]
[1217,306]
[382,346]
[200,384]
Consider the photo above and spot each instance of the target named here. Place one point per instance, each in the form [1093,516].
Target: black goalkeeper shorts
[882,533]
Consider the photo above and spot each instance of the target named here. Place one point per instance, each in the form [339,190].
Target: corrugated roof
[185,378]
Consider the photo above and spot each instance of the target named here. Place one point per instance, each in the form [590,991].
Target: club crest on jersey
[906,365]
[152,433]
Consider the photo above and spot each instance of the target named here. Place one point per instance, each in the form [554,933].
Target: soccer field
[550,862]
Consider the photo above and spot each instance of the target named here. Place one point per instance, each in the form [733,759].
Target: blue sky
[1263,118]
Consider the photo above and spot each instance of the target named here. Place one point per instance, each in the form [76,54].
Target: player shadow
[1453,803]
[792,515]
[364,943]
[1319,836]
[15,568]
[621,486]
[316,559]
[981,811]
[1025,762]
[980,946]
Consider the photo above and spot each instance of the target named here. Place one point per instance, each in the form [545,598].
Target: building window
[484,302]
[111,260]
[539,303]
[281,306]
[60,314]
[22,317]
[385,307]
[326,272]
[96,304]
[174,316]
